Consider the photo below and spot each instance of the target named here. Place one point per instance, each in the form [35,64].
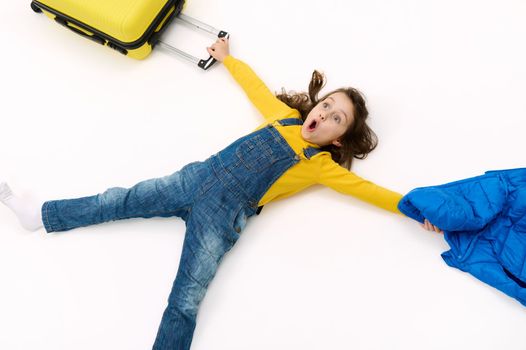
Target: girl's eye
[325,105]
[337,119]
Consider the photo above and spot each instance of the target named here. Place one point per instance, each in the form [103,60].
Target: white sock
[28,212]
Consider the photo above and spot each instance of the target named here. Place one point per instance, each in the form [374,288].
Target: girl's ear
[337,143]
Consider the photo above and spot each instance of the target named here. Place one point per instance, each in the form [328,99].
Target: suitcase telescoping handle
[204,64]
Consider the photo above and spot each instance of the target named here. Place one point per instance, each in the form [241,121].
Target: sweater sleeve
[344,181]
[259,94]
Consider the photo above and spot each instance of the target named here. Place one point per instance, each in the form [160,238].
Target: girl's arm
[259,94]
[344,181]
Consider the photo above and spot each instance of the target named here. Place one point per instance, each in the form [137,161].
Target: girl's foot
[28,212]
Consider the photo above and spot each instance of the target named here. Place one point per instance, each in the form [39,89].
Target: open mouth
[312,125]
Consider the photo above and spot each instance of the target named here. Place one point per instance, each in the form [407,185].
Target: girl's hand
[219,50]
[430,227]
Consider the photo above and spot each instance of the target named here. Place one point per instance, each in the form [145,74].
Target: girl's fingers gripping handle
[205,64]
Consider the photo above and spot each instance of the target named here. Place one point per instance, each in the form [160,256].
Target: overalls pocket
[207,184]
[255,154]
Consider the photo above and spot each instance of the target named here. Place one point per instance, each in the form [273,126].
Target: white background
[445,83]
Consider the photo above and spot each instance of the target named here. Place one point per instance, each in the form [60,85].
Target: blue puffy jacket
[484,223]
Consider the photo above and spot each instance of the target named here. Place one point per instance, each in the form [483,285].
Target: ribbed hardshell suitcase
[131,27]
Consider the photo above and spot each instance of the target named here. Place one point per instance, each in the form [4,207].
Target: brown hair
[358,140]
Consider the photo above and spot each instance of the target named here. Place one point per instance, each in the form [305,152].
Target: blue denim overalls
[214,197]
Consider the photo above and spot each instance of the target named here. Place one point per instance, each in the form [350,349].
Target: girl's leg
[167,196]
[204,246]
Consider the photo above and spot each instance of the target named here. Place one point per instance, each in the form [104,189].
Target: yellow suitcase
[132,27]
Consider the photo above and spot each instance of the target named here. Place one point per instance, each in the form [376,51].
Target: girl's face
[328,120]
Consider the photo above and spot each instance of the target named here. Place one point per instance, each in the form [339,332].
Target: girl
[304,141]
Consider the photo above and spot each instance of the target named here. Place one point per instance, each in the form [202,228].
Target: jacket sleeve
[344,181]
[468,205]
[259,94]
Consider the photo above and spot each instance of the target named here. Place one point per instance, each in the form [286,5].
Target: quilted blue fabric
[484,223]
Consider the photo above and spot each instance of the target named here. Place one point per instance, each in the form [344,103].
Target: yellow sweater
[320,169]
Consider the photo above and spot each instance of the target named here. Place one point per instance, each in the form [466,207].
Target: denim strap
[290,121]
[309,151]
